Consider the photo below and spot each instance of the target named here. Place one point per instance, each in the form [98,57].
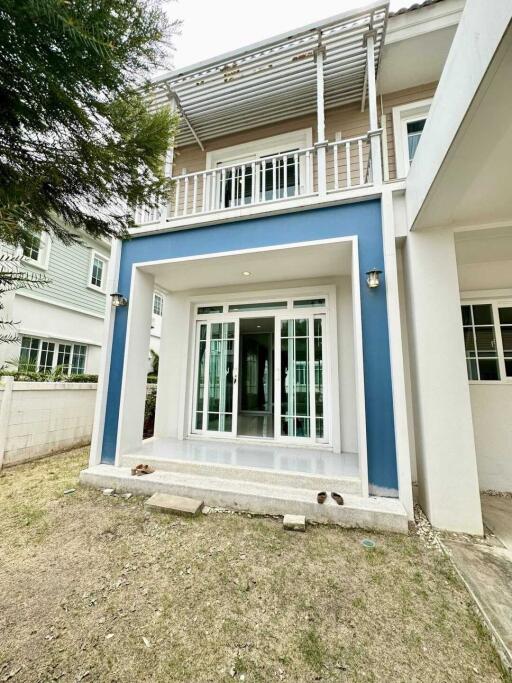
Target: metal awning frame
[319,66]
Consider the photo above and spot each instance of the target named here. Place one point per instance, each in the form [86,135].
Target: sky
[212,27]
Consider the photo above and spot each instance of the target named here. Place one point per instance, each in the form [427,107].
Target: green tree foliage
[13,277]
[77,140]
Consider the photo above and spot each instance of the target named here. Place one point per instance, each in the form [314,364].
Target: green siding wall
[68,269]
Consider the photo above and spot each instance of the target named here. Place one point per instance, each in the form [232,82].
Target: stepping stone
[178,505]
[294,522]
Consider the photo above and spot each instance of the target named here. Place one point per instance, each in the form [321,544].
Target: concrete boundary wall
[41,418]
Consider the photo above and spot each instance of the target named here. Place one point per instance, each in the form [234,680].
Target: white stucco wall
[492,422]
[48,321]
[37,419]
[485,274]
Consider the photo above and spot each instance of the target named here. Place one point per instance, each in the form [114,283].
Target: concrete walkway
[486,567]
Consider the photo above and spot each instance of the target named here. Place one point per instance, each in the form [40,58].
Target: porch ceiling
[280,264]
[276,78]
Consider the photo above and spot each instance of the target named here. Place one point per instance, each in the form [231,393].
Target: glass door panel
[216,373]
[300,377]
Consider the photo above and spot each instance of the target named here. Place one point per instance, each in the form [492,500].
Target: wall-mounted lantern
[118,300]
[373,278]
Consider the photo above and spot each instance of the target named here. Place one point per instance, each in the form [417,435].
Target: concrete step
[298,480]
[386,514]
[177,505]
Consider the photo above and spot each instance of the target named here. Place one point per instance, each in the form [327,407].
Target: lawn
[95,588]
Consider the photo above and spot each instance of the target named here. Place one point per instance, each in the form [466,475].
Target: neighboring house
[61,325]
[340,227]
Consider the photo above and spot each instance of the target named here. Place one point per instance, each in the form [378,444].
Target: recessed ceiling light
[246,273]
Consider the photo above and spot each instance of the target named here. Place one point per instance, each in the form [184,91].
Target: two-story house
[60,324]
[312,336]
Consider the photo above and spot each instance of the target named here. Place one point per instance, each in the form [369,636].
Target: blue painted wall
[362,219]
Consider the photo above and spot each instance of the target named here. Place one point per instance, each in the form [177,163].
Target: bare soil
[95,588]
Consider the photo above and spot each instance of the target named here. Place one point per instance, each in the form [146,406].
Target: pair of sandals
[322,497]
[139,470]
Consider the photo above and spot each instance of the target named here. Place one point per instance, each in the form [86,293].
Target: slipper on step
[337,498]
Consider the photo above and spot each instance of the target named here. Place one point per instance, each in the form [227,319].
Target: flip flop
[337,498]
[142,469]
[321,497]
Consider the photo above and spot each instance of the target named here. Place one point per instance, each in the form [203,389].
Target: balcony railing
[277,178]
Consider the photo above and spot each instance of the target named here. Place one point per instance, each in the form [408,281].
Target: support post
[321,142]
[106,351]
[133,390]
[372,109]
[445,442]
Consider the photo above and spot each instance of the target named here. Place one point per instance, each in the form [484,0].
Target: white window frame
[496,305]
[43,258]
[246,151]
[101,257]
[406,113]
[161,296]
[56,343]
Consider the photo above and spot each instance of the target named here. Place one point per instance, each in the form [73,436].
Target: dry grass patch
[95,588]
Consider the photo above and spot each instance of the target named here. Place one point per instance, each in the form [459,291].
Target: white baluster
[296,164]
[360,154]
[336,176]
[194,195]
[177,198]
[347,161]
[185,197]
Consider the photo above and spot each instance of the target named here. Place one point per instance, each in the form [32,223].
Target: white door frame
[309,314]
[208,321]
[289,295]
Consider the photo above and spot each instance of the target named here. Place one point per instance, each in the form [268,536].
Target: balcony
[280,178]
[272,86]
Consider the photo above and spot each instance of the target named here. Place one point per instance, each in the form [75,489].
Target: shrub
[45,377]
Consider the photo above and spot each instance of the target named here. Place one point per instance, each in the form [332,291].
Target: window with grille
[97,272]
[32,248]
[488,341]
[158,304]
[44,355]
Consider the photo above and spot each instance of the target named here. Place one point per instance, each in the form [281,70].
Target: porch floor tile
[269,456]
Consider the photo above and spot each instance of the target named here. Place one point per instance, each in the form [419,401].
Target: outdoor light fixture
[118,300]
[246,273]
[373,278]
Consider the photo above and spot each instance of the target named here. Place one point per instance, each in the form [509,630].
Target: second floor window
[414,131]
[158,304]
[488,341]
[32,248]
[98,272]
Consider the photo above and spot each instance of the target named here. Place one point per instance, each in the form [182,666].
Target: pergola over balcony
[323,65]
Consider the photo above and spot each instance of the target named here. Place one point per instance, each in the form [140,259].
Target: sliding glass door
[216,372]
[300,377]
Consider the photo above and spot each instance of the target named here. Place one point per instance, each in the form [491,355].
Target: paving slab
[178,505]
[487,572]
[294,522]
[497,513]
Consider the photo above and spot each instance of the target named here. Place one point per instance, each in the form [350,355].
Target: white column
[133,390]
[445,444]
[396,351]
[372,109]
[173,391]
[106,350]
[320,116]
